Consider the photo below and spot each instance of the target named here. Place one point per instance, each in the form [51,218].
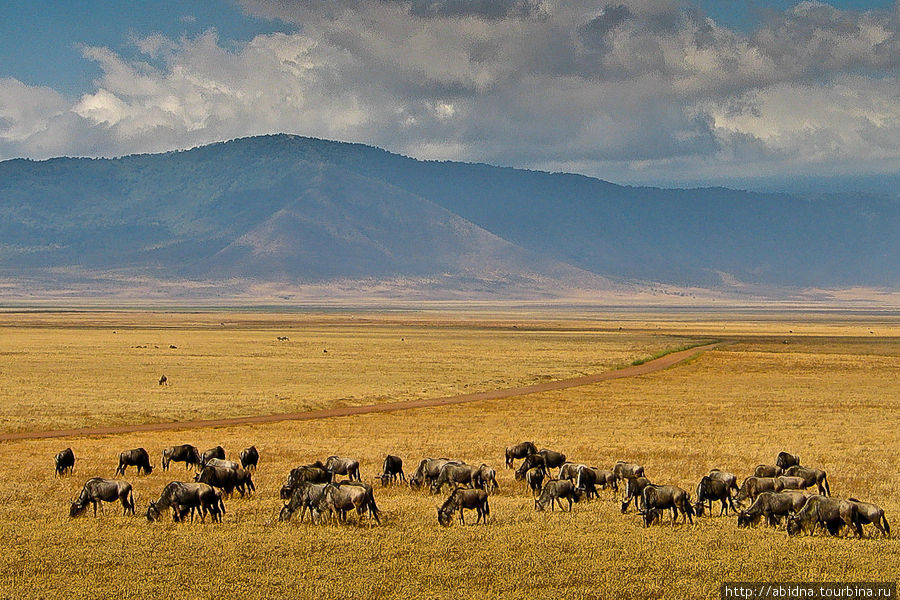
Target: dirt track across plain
[650,366]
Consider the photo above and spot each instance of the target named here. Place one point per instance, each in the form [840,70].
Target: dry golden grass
[63,371]
[834,401]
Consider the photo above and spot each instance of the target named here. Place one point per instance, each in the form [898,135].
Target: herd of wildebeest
[773,493]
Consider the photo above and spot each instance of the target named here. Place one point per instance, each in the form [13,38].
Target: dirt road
[633,371]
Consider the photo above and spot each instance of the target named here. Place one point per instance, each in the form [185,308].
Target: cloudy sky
[633,91]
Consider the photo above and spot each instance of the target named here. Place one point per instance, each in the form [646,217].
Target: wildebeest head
[743,519]
[76,509]
[444,516]
[699,508]
[385,479]
[794,526]
[152,512]
[650,515]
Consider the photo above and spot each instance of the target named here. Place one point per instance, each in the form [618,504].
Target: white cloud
[624,90]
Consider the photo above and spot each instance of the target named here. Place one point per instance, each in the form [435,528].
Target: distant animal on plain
[99,490]
[65,462]
[392,470]
[185,453]
[462,498]
[249,457]
[163,380]
[520,450]
[138,457]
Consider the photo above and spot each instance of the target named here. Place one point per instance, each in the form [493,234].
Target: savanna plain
[825,386]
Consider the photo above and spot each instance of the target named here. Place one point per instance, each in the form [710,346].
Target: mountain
[287,212]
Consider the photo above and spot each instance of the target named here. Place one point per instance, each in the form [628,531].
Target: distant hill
[289,210]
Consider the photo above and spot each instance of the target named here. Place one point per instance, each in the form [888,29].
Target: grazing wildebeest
[586,481]
[338,498]
[793,483]
[65,461]
[392,470]
[624,469]
[710,489]
[535,479]
[488,478]
[730,479]
[754,486]
[872,513]
[832,513]
[343,466]
[134,458]
[767,471]
[785,460]
[634,490]
[451,473]
[606,479]
[227,479]
[460,499]
[185,453]
[163,380]
[308,473]
[249,457]
[557,489]
[99,490]
[811,477]
[428,470]
[548,459]
[520,450]
[305,496]
[217,452]
[657,498]
[771,505]
[179,495]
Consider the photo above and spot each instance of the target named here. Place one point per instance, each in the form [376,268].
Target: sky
[662,92]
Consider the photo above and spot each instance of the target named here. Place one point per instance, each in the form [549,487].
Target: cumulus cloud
[627,90]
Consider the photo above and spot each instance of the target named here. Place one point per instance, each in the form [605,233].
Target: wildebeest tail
[487,508]
[131,500]
[887,528]
[373,508]
[825,482]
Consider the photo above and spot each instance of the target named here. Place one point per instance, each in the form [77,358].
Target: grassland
[833,399]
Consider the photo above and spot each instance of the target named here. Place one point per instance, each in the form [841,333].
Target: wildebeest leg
[462,519]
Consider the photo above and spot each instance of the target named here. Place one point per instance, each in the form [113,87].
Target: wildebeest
[634,489]
[557,489]
[520,450]
[488,478]
[217,452]
[185,453]
[535,479]
[464,499]
[767,471]
[227,479]
[134,458]
[785,460]
[392,470]
[586,481]
[308,473]
[338,498]
[811,477]
[163,380]
[428,470]
[99,490]
[872,513]
[657,498]
[249,457]
[710,489]
[304,497]
[831,513]
[771,505]
[180,495]
[730,479]
[754,486]
[624,469]
[65,461]
[452,473]
[343,466]
[548,459]
[606,479]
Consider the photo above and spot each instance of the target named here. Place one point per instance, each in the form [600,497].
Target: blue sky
[643,91]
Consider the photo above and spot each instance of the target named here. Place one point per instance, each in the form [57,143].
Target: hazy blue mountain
[287,208]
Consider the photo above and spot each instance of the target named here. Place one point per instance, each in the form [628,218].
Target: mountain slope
[300,210]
